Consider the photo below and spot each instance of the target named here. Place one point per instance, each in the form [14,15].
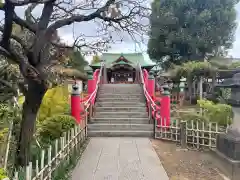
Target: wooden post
[37,167]
[42,163]
[183,135]
[155,123]
[49,162]
[86,124]
[56,150]
[150,112]
[28,173]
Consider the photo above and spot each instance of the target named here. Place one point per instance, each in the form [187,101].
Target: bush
[221,113]
[189,116]
[55,102]
[54,127]
[2,174]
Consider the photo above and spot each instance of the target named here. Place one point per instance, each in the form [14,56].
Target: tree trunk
[33,100]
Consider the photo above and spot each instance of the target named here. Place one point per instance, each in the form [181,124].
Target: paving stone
[119,159]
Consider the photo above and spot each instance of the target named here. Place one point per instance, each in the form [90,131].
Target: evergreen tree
[183,30]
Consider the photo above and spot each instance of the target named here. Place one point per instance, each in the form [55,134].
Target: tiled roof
[133,59]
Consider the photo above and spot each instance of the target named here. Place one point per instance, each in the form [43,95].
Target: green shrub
[221,113]
[55,102]
[2,174]
[54,127]
[189,116]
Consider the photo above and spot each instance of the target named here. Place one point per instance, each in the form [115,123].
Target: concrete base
[226,165]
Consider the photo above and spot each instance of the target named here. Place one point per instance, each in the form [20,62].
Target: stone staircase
[120,111]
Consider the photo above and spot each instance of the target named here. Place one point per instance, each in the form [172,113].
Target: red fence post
[75,103]
[165,107]
[151,86]
[91,85]
[145,78]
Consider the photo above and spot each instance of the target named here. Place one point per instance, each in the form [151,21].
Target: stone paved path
[119,159]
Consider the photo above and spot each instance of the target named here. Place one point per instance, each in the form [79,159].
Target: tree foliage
[76,60]
[55,102]
[53,127]
[10,81]
[220,113]
[183,30]
[193,69]
[3,174]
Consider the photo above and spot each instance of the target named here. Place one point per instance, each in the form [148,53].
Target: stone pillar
[181,92]
[165,107]
[75,103]
[228,150]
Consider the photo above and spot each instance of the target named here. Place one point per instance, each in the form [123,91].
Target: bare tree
[35,50]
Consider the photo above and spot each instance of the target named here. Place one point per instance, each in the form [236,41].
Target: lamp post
[182,84]
[181,93]
[75,102]
[165,106]
[151,85]
[166,89]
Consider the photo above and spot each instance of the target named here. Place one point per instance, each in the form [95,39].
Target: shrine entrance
[121,74]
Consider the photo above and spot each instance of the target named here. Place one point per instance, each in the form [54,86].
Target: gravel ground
[186,165]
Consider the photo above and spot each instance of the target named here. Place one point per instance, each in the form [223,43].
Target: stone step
[120,86]
[120,109]
[119,92]
[121,114]
[120,133]
[120,127]
[120,104]
[119,120]
[109,99]
[111,95]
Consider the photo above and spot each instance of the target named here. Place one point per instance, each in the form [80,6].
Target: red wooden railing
[91,99]
[153,109]
[149,99]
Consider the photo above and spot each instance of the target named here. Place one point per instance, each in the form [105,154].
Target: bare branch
[79,18]
[26,2]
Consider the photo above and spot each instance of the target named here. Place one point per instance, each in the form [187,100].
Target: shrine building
[121,67]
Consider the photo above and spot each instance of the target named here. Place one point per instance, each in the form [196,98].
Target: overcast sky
[89,28]
[130,46]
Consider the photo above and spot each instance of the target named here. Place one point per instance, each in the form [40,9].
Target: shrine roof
[125,58]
